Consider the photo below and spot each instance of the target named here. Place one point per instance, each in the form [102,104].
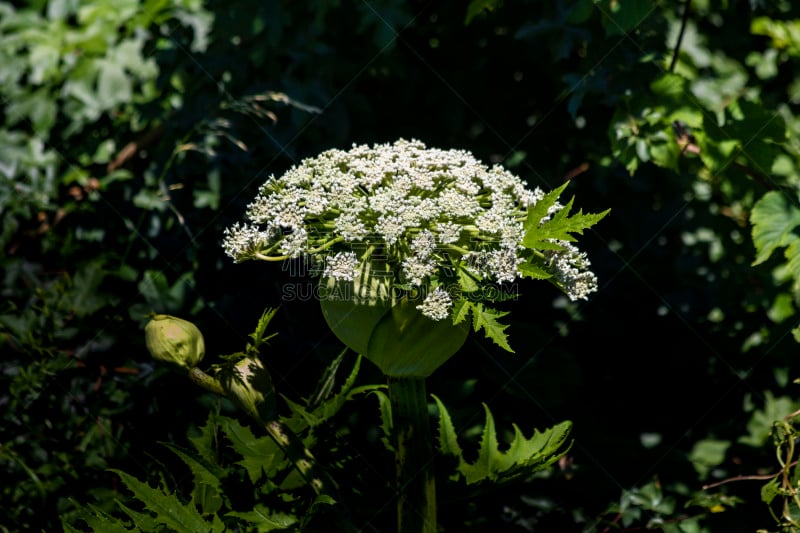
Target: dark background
[677,346]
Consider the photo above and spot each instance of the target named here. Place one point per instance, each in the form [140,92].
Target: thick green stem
[416,504]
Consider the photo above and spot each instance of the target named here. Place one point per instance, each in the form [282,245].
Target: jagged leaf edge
[96,519]
[168,508]
[486,318]
[251,449]
[387,427]
[529,458]
[447,438]
[502,466]
[207,482]
[264,518]
[258,334]
[561,224]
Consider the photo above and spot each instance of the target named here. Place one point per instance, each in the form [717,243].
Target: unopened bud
[249,384]
[174,340]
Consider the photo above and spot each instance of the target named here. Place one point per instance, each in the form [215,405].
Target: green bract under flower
[447,225]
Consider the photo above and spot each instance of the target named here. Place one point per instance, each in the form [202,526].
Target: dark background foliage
[682,344]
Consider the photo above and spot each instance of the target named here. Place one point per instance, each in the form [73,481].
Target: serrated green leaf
[334,404]
[448,440]
[206,491]
[203,470]
[534,271]
[259,455]
[559,227]
[387,427]
[261,329]
[301,418]
[324,403]
[69,529]
[206,443]
[540,209]
[467,281]
[264,519]
[99,521]
[486,318]
[142,521]
[485,465]
[523,457]
[169,510]
[461,309]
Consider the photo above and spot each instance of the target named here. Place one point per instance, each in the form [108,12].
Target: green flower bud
[174,340]
[249,385]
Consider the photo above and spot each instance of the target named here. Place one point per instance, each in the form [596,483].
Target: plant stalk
[416,486]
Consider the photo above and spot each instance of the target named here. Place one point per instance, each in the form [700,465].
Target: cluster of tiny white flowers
[420,265]
[436,305]
[570,267]
[417,207]
[244,240]
[342,265]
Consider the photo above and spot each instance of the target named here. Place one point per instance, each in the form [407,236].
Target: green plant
[407,241]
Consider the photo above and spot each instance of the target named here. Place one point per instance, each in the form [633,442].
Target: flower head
[437,218]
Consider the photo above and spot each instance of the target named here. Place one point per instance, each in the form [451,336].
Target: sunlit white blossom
[243,241]
[436,305]
[429,214]
[570,267]
[416,268]
[342,265]
[423,244]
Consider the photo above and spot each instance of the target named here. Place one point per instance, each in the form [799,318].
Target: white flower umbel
[570,267]
[436,305]
[435,217]
[343,265]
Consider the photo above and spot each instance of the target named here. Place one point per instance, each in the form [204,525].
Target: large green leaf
[407,343]
[352,309]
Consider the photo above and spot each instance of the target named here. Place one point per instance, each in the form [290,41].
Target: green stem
[416,504]
[207,382]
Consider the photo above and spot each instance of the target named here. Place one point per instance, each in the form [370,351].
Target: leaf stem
[416,504]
